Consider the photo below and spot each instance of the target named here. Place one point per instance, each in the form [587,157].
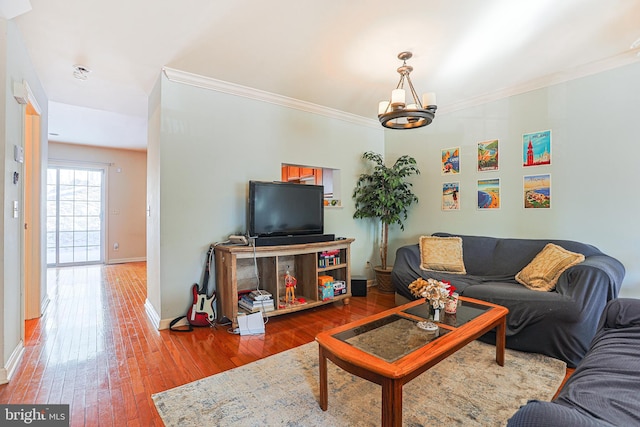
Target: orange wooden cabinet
[290,173]
[298,173]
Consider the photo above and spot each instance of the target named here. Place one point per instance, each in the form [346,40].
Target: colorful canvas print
[537,191]
[488,156]
[451,161]
[536,148]
[489,193]
[451,196]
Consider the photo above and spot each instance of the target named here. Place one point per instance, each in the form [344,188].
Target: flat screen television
[285,209]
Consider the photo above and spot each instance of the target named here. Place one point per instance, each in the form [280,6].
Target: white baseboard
[12,364]
[165,323]
[152,314]
[44,304]
[125,260]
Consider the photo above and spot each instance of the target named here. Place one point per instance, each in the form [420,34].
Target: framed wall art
[450,161]
[489,193]
[488,156]
[537,191]
[536,148]
[450,196]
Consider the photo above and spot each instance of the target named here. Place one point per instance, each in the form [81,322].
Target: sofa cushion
[542,273]
[493,256]
[441,254]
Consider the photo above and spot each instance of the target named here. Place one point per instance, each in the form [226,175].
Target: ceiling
[333,53]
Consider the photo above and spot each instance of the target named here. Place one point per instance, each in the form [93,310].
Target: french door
[75,205]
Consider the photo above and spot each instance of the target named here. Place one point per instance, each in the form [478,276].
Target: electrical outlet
[116,246]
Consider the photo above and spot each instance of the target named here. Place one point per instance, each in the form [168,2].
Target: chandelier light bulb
[397,98]
[428,99]
[395,113]
[383,107]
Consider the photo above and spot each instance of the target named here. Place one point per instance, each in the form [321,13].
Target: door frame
[32,265]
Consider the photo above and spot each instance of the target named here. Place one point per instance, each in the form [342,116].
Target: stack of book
[256,301]
[329,258]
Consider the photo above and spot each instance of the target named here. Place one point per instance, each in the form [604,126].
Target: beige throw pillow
[543,272]
[441,254]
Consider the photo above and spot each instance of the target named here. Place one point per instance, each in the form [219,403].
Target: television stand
[293,240]
[236,272]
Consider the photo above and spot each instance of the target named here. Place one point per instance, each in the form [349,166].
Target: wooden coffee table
[389,349]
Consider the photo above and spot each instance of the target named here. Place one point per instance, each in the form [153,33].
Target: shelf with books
[241,269]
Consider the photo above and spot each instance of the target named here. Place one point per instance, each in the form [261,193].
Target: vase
[451,306]
[434,313]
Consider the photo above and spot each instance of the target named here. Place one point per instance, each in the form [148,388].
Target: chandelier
[396,113]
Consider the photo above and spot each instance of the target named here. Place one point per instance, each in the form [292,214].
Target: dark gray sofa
[560,323]
[604,389]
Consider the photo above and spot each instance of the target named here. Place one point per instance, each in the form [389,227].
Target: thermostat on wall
[18,154]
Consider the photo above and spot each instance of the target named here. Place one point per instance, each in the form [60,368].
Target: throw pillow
[543,272]
[441,254]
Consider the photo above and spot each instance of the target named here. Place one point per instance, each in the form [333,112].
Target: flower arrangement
[435,291]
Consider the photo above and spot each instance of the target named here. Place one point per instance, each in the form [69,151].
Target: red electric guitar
[203,311]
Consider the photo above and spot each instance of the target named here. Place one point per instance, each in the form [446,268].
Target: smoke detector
[81,72]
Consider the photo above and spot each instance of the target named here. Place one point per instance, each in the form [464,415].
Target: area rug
[467,389]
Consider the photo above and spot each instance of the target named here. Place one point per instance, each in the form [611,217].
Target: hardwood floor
[95,349]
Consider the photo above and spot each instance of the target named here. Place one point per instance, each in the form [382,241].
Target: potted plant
[384,194]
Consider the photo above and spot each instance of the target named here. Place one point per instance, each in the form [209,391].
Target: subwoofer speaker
[358,286]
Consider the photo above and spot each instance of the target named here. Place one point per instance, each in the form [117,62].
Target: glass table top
[466,312]
[395,336]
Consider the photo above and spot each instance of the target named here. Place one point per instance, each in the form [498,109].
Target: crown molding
[184,77]
[625,58]
[9,9]
[616,61]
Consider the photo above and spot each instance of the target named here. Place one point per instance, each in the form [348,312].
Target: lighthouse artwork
[536,148]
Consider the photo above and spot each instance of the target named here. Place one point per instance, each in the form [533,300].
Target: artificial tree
[384,194]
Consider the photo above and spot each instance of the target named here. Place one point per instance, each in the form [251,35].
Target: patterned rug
[467,389]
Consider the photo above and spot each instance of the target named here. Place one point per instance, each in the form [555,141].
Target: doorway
[75,230]
[33,285]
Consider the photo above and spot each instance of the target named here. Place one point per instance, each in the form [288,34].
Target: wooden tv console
[236,268]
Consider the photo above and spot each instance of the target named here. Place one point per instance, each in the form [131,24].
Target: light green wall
[594,176]
[207,152]
[210,145]
[16,67]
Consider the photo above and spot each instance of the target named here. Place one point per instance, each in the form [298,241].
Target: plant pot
[383,279]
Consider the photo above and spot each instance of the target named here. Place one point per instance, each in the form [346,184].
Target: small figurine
[290,285]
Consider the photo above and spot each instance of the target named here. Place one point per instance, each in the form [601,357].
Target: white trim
[620,60]
[152,314]
[44,303]
[165,323]
[11,9]
[125,260]
[80,163]
[178,76]
[12,364]
[24,95]
[32,99]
